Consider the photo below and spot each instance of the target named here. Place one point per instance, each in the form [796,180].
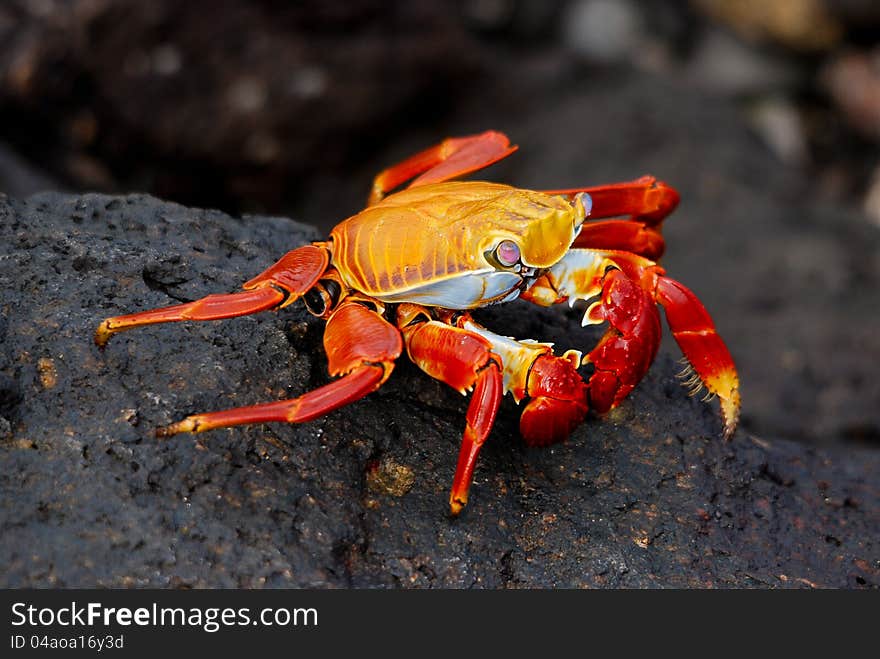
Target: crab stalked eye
[507,253]
[587,202]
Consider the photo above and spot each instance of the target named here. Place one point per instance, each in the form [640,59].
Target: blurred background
[765,114]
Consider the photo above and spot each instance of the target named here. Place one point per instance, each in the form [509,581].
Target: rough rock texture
[647,496]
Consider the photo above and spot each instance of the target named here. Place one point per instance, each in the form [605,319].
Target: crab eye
[507,253]
[587,202]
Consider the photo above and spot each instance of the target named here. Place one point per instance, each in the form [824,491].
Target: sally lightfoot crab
[403,273]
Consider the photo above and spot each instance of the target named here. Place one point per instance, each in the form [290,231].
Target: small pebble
[603,30]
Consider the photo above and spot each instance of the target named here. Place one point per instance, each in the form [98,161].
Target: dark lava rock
[647,496]
[236,100]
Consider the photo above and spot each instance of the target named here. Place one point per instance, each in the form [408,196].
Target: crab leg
[646,199]
[479,420]
[695,333]
[625,235]
[452,158]
[294,274]
[361,347]
[464,361]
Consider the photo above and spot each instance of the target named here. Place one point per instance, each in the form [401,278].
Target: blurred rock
[779,124]
[853,81]
[522,20]
[724,64]
[872,197]
[20,178]
[241,107]
[492,15]
[603,31]
[858,15]
[799,24]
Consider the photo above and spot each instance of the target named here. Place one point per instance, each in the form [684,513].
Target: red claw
[558,401]
[625,353]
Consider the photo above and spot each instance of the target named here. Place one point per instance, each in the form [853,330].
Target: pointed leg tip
[189,424]
[730,414]
[456,505]
[729,429]
[103,334]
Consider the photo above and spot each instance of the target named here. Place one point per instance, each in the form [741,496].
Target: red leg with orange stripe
[622,235]
[695,333]
[646,199]
[284,282]
[361,348]
[452,158]
[464,361]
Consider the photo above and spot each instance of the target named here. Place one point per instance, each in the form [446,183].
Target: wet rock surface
[647,496]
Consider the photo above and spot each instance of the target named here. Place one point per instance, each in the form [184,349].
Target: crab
[404,274]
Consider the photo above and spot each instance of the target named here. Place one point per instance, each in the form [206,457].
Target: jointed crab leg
[695,333]
[294,274]
[646,199]
[453,157]
[625,235]
[480,418]
[361,347]
[462,360]
[355,385]
[212,307]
